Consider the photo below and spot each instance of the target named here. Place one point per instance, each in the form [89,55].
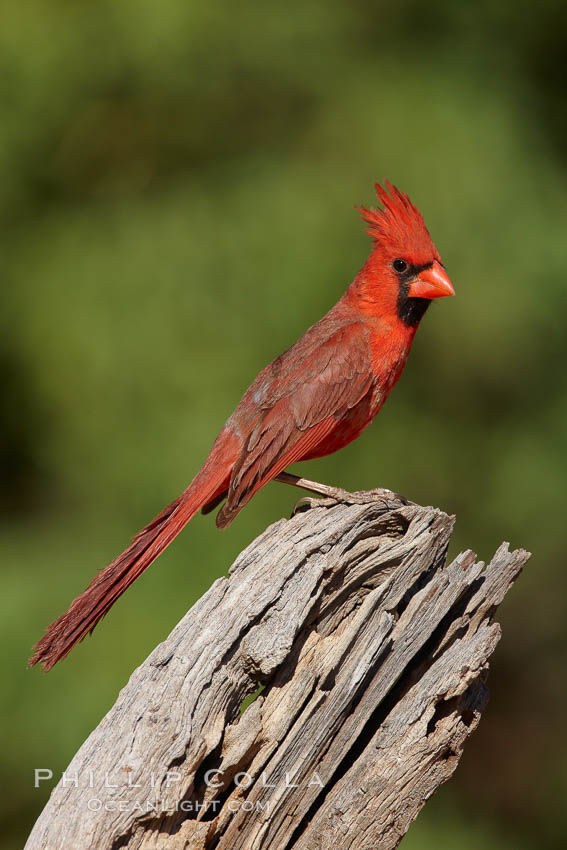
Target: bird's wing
[301,399]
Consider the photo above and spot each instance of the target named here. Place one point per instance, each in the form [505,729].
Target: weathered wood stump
[373,657]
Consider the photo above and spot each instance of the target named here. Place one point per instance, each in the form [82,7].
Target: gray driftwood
[373,654]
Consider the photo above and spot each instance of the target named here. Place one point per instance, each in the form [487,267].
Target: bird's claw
[381,493]
[308,502]
[364,497]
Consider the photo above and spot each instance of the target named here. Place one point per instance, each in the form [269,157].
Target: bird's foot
[362,497]
[389,499]
[332,495]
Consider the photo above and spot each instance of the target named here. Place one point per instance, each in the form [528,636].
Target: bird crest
[399,225]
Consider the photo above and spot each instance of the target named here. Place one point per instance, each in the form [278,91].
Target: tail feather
[111,582]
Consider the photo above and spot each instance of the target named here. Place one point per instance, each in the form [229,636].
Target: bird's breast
[389,350]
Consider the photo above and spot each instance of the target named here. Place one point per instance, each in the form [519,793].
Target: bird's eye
[400,265]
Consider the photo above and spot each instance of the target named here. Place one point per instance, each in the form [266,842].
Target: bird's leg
[336,494]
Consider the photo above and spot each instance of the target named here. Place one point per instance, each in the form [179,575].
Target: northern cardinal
[313,399]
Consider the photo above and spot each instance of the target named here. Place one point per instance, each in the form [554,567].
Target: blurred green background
[177,182]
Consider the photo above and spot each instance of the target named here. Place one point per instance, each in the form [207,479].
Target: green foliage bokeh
[177,183]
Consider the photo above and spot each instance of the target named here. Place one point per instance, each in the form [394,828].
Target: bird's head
[404,271]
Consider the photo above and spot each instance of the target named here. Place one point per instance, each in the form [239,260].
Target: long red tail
[111,582]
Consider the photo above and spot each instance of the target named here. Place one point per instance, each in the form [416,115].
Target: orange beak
[431,283]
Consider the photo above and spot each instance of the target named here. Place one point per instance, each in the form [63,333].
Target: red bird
[313,399]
